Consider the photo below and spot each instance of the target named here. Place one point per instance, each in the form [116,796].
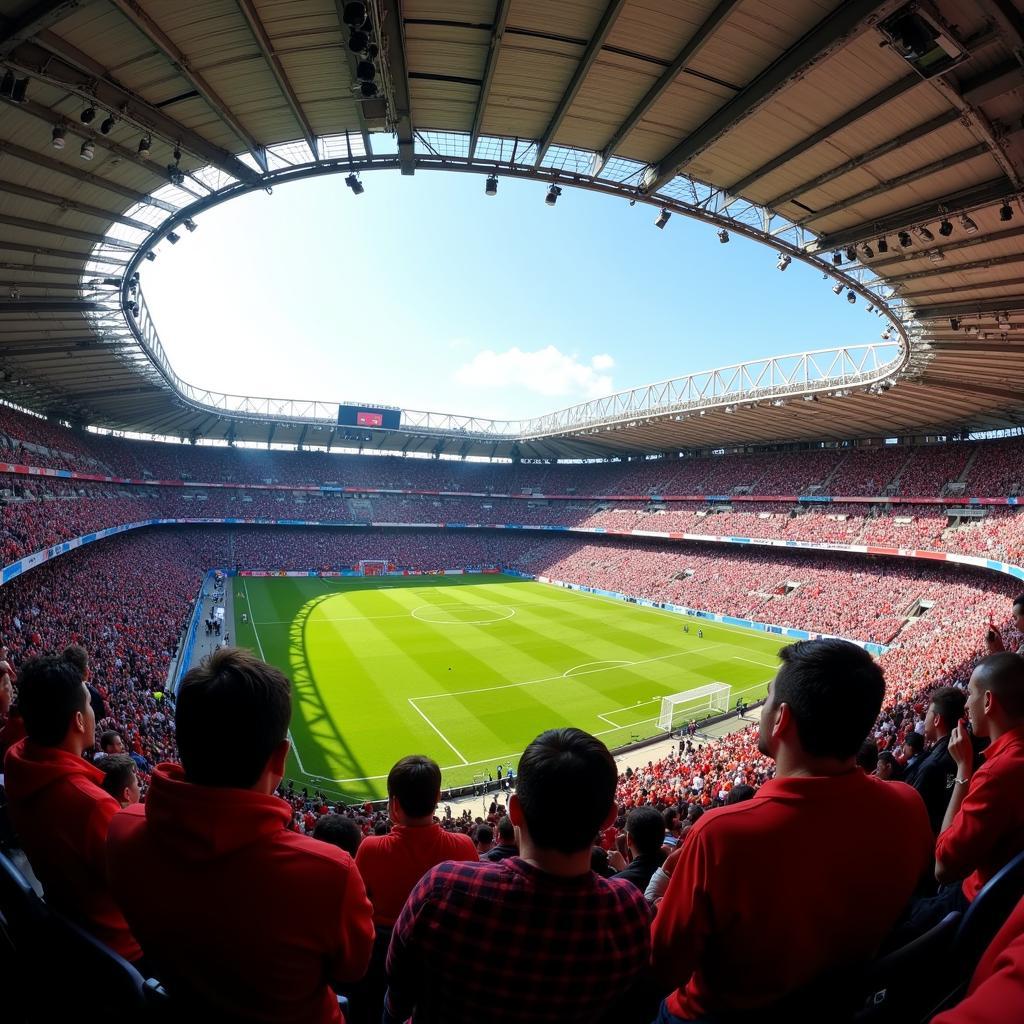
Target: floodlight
[837,258]
[358,42]
[108,125]
[368,90]
[151,256]
[88,115]
[491,187]
[967,224]
[946,227]
[924,233]
[954,324]
[57,137]
[905,239]
[173,238]
[88,150]
[883,245]
[365,71]
[868,251]
[784,261]
[553,193]
[723,235]
[1005,212]
[837,287]
[354,13]
[353,182]
[851,296]
[145,145]
[662,219]
[1003,320]
[190,224]
[851,253]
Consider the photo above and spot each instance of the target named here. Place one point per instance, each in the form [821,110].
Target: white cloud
[546,371]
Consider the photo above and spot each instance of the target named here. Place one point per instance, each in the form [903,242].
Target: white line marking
[570,672]
[438,731]
[550,679]
[344,618]
[481,609]
[750,661]
[259,644]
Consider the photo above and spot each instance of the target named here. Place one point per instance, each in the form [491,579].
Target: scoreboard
[367,416]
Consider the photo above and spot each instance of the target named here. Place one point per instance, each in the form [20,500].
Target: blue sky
[427,294]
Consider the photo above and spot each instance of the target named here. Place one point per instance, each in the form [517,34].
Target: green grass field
[468,669]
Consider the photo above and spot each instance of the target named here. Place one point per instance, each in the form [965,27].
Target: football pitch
[469,669]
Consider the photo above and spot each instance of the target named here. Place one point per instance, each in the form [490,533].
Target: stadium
[454,622]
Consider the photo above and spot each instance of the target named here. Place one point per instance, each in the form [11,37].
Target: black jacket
[641,868]
[933,779]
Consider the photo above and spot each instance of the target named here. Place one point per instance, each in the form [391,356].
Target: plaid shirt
[507,942]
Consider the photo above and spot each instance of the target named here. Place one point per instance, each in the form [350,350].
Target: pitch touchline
[439,733]
[346,618]
[550,679]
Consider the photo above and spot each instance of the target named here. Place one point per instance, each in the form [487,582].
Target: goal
[373,567]
[712,698]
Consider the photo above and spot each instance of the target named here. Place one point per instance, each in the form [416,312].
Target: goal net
[373,567]
[710,699]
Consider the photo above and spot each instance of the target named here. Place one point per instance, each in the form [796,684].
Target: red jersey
[788,884]
[391,865]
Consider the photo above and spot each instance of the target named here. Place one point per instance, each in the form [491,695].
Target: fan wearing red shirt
[826,891]
[242,918]
[56,803]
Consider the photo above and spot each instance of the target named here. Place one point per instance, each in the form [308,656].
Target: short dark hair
[646,829]
[949,702]
[107,737]
[232,711]
[1018,601]
[50,694]
[118,770]
[483,834]
[867,756]
[915,741]
[1003,674]
[566,788]
[415,782]
[887,757]
[741,793]
[78,656]
[340,831]
[834,691]
[506,830]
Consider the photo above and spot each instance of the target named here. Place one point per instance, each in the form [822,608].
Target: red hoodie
[61,816]
[233,908]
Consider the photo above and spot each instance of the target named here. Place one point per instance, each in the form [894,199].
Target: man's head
[740,794]
[340,831]
[111,742]
[945,709]
[79,657]
[414,788]
[995,695]
[821,704]
[506,832]
[6,692]
[565,792]
[120,778]
[1018,613]
[645,831]
[231,720]
[913,744]
[694,813]
[886,769]
[484,838]
[54,704]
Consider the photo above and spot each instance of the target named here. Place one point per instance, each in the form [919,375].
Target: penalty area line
[451,746]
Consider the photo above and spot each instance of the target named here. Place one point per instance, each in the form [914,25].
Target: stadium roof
[818,126]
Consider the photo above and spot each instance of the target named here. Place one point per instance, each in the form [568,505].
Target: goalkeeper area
[469,669]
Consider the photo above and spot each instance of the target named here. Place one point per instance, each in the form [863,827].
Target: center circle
[462,614]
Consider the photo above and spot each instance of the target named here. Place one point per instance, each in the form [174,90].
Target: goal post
[712,698]
[373,567]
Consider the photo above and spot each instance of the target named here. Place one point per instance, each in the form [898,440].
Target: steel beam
[350,61]
[846,21]
[263,41]
[54,60]
[16,306]
[590,54]
[41,250]
[918,174]
[974,389]
[35,268]
[501,10]
[950,117]
[70,204]
[64,232]
[1006,282]
[996,81]
[967,199]
[41,16]
[693,47]
[393,46]
[972,306]
[145,23]
[958,245]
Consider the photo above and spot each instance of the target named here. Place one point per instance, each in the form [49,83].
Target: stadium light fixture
[851,254]
[954,324]
[552,196]
[1005,211]
[190,224]
[886,335]
[837,287]
[1003,320]
[924,233]
[354,13]
[145,146]
[967,224]
[88,150]
[871,308]
[491,188]
[837,258]
[946,227]
[883,245]
[88,115]
[108,125]
[353,182]
[904,239]
[723,235]
[868,251]
[663,218]
[851,296]
[151,256]
[57,137]
[784,261]
[779,403]
[173,238]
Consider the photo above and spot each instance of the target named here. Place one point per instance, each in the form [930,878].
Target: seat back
[987,913]
[25,913]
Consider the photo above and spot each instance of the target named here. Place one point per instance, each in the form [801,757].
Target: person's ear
[515,811]
[278,758]
[78,722]
[613,813]
[782,722]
